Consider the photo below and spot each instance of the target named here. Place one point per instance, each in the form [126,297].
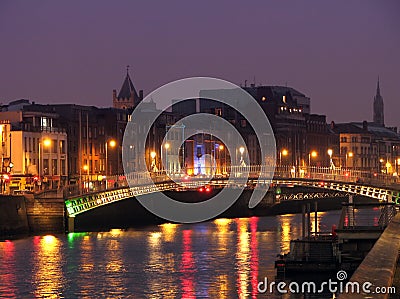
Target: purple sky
[76,51]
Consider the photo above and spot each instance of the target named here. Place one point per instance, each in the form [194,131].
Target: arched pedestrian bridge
[381,187]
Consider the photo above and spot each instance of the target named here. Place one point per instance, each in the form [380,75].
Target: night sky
[77,51]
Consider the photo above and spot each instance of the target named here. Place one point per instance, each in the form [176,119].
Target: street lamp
[349,155]
[153,161]
[313,154]
[221,148]
[112,143]
[46,142]
[241,151]
[166,146]
[284,153]
[330,152]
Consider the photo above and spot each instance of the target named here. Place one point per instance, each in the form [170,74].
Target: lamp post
[166,146]
[112,144]
[46,143]
[241,151]
[86,168]
[312,154]
[153,161]
[221,148]
[330,153]
[284,153]
[349,155]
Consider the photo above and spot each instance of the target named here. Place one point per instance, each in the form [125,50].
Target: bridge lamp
[330,153]
[153,155]
[153,160]
[241,151]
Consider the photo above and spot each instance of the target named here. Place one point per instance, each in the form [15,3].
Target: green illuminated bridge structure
[382,187]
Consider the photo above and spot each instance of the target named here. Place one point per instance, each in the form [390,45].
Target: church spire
[379,117]
[378,90]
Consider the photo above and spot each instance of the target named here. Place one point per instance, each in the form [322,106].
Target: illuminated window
[284,99]
[263,99]
[218,111]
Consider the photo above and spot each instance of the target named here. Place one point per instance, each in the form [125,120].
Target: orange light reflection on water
[48,277]
[242,258]
[7,265]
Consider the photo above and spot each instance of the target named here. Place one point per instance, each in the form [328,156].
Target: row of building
[62,144]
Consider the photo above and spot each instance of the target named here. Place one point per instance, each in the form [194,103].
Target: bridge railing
[253,171]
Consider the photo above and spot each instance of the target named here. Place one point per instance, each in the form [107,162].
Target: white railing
[253,171]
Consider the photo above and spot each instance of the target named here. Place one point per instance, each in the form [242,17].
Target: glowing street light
[284,153]
[85,167]
[112,143]
[153,155]
[349,155]
[47,142]
[312,154]
[330,153]
[153,161]
[241,151]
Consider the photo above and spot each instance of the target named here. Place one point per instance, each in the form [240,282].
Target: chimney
[332,124]
[365,125]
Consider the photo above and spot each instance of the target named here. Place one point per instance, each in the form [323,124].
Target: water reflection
[115,266]
[224,258]
[7,267]
[254,256]
[48,278]
[168,231]
[286,231]
[188,267]
[242,258]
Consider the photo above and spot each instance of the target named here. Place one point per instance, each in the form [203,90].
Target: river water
[224,258]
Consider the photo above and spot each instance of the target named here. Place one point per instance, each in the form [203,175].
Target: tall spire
[379,117]
[378,90]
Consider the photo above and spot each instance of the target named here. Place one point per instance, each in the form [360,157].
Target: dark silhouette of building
[378,107]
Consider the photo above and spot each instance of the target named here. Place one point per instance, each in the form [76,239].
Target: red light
[6,177]
[347,174]
[208,189]
[201,189]
[35,178]
[375,174]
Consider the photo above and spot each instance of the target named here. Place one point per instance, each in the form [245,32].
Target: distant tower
[378,107]
[127,97]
